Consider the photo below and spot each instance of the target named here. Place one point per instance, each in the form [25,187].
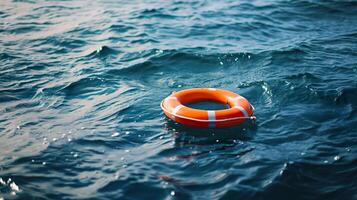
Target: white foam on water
[2,181]
[14,187]
[115,134]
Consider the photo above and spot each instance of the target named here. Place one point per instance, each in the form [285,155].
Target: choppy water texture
[81,83]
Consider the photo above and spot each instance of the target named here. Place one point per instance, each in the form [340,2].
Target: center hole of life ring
[207,105]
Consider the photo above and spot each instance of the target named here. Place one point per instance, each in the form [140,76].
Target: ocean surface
[81,84]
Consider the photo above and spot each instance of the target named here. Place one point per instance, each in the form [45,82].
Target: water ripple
[81,86]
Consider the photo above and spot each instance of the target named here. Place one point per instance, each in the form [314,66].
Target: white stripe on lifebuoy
[171,97]
[238,98]
[245,113]
[211,118]
[175,110]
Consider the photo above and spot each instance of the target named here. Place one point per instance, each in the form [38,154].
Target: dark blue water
[81,84]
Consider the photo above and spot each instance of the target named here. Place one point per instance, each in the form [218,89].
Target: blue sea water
[81,84]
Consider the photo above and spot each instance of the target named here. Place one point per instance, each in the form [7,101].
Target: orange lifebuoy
[239,108]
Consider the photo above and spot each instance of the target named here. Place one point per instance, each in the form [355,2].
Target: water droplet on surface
[172,193]
[248,56]
[44,163]
[54,139]
[303,153]
[159,51]
[69,139]
[99,49]
[82,128]
[33,161]
[2,181]
[325,161]
[75,155]
[217,141]
[115,134]
[117,175]
[336,158]
[221,63]
[348,149]
[127,150]
[14,187]
[127,132]
[18,127]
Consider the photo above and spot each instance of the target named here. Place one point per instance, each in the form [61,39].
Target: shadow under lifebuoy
[193,135]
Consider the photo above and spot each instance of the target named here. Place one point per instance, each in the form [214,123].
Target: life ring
[239,108]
